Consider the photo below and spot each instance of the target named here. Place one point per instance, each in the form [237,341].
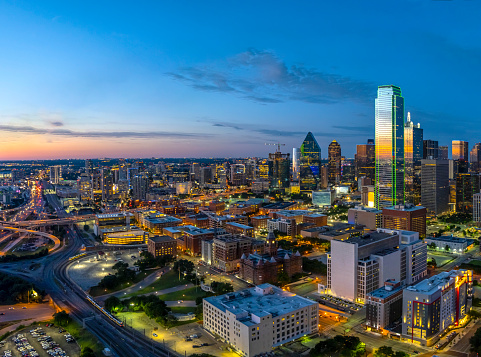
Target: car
[2,313]
[196,346]
[204,344]
[155,335]
[194,336]
[24,307]
[188,339]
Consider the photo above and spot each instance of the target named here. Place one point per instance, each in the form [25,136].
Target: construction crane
[276,144]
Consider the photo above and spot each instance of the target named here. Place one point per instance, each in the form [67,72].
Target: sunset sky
[82,79]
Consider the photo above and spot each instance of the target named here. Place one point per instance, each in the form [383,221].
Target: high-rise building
[475,158]
[477,208]
[444,152]
[467,185]
[389,127]
[310,165]
[365,160]
[405,217]
[334,159]
[55,174]
[107,185]
[433,305]
[279,170]
[359,265]
[140,185]
[430,149]
[296,162]
[435,185]
[237,175]
[88,166]
[84,186]
[413,154]
[460,150]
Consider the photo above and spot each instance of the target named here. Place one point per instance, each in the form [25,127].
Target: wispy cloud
[56,123]
[262,77]
[101,134]
[366,128]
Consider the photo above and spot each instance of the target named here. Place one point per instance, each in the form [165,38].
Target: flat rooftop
[383,292]
[240,225]
[368,238]
[160,239]
[429,286]
[407,208]
[262,300]
[449,239]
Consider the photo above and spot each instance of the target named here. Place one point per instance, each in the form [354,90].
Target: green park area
[441,259]
[166,281]
[186,294]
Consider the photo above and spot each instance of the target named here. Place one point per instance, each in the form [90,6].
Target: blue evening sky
[221,78]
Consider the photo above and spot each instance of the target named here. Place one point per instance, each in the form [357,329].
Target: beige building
[255,320]
[369,217]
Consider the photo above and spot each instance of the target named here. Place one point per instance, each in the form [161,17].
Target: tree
[432,245]
[86,228]
[283,278]
[62,318]
[167,321]
[113,304]
[475,341]
[156,309]
[446,248]
[184,266]
[199,312]
[87,352]
[384,351]
[109,282]
[221,288]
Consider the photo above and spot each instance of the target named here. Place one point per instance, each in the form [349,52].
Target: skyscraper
[334,156]
[435,185]
[413,154]
[365,160]
[444,152]
[460,150]
[430,149]
[296,160]
[475,158]
[467,185]
[310,165]
[279,170]
[389,127]
[140,185]
[55,174]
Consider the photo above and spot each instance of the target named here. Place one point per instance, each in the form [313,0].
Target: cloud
[367,128]
[56,123]
[101,134]
[262,77]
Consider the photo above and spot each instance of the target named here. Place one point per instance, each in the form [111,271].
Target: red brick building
[162,245]
[408,218]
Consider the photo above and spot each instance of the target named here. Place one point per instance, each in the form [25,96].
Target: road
[55,281]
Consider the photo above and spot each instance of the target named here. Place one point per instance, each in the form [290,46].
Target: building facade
[334,159]
[389,128]
[405,217]
[162,245]
[310,164]
[435,185]
[255,320]
[384,305]
[413,154]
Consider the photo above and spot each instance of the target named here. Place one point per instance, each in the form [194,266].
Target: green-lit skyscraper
[389,126]
[310,164]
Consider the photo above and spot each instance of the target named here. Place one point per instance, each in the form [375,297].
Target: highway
[123,342]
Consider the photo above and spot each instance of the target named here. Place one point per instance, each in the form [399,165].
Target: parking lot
[88,271]
[339,304]
[40,341]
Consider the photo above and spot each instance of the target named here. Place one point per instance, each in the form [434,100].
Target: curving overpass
[42,234]
[51,222]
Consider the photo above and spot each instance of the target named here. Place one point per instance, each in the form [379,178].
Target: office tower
[413,154]
[334,160]
[467,185]
[84,185]
[367,196]
[251,166]
[251,320]
[389,126]
[405,217]
[96,180]
[371,218]
[384,306]
[477,208]
[279,170]
[263,169]
[365,160]
[140,186]
[107,185]
[296,161]
[460,150]
[131,173]
[348,172]
[435,186]
[195,171]
[88,166]
[475,158]
[324,180]
[433,305]
[443,152]
[205,175]
[237,175]
[55,174]
[359,265]
[310,164]
[430,149]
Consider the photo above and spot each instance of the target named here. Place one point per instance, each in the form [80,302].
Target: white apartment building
[281,224]
[255,320]
[358,265]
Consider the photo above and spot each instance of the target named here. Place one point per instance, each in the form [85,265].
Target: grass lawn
[168,280]
[440,258]
[182,309]
[475,262]
[187,294]
[84,338]
[97,291]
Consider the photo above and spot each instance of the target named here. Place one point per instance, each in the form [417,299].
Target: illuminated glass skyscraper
[310,164]
[389,126]
[413,154]
[334,155]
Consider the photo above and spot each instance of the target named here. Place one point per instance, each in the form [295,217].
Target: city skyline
[169,81]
